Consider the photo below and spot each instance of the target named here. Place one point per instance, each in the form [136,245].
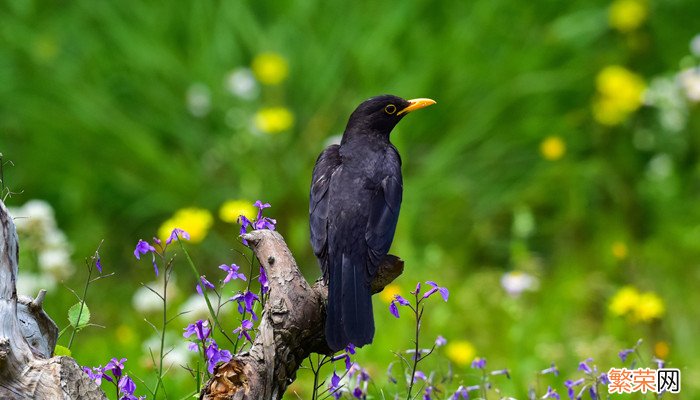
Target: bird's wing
[384,213]
[326,164]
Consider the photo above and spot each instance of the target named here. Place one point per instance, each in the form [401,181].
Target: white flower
[176,353]
[516,282]
[690,82]
[660,167]
[241,82]
[198,99]
[146,302]
[695,45]
[29,284]
[666,95]
[34,217]
[56,261]
[195,308]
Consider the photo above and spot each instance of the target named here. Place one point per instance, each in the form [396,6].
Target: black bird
[356,192]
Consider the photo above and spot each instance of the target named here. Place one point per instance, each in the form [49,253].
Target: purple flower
[214,355]
[357,393]
[242,330]
[231,272]
[419,375]
[443,291]
[245,223]
[259,223]
[260,206]
[603,379]
[401,300]
[551,394]
[264,283]
[659,362]
[177,234]
[205,283]
[393,309]
[624,353]
[246,301]
[461,393]
[265,223]
[98,261]
[440,341]
[501,372]
[417,289]
[427,393]
[142,247]
[570,385]
[479,363]
[551,370]
[583,366]
[334,387]
[199,328]
[350,348]
[96,374]
[126,386]
[116,366]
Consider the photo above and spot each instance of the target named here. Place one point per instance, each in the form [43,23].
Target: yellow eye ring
[390,109]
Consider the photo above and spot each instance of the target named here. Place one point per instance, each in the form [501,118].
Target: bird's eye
[390,109]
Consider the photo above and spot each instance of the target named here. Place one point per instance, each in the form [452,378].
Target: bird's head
[379,115]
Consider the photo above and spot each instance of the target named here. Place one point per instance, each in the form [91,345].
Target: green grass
[93,114]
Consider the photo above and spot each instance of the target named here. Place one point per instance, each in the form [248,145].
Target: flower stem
[204,292]
[162,331]
[418,311]
[82,305]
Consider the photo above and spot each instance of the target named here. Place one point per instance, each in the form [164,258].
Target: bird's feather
[326,164]
[384,213]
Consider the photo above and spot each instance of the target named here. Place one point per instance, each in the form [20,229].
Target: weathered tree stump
[291,327]
[28,337]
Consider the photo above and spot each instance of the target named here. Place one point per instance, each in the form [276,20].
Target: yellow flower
[627,15]
[619,250]
[625,300]
[387,295]
[460,352]
[274,119]
[231,209]
[643,307]
[620,93]
[649,307]
[552,148]
[661,349]
[270,68]
[195,221]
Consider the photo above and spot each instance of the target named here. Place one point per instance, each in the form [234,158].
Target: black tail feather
[349,315]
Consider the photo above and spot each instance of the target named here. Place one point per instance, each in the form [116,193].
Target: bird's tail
[349,316]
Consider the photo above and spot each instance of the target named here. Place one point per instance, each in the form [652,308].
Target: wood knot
[270,260]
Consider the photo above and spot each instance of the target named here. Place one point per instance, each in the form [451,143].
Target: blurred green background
[564,148]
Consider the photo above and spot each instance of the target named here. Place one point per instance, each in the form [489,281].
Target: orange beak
[415,104]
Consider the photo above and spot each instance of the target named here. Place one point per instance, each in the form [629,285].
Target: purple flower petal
[393,309]
[479,363]
[176,234]
[264,283]
[440,341]
[401,300]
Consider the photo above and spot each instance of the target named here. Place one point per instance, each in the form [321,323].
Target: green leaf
[61,351]
[73,313]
